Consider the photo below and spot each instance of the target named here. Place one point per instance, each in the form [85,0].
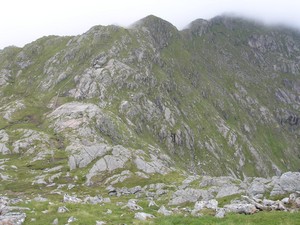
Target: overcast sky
[23,21]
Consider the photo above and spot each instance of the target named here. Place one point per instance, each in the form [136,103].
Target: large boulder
[290,182]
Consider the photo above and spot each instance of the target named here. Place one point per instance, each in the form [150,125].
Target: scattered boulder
[71,199]
[93,200]
[128,191]
[62,209]
[55,221]
[40,199]
[72,219]
[293,196]
[132,205]
[152,203]
[143,216]
[285,200]
[106,200]
[294,199]
[164,211]
[100,223]
[5,177]
[111,190]
[109,211]
[220,213]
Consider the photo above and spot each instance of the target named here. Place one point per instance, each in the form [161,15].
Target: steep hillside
[218,98]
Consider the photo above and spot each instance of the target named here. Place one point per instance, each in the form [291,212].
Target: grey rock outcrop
[117,160]
[14,218]
[3,140]
[5,76]
[29,141]
[85,153]
[8,110]
[10,214]
[189,195]
[154,166]
[229,190]
[223,186]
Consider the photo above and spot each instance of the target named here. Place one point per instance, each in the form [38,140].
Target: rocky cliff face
[152,100]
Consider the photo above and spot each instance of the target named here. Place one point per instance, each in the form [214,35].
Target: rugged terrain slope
[220,97]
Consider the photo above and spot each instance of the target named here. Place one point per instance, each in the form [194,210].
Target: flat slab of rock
[241,208]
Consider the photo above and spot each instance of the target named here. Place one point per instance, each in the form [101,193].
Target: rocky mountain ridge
[152,100]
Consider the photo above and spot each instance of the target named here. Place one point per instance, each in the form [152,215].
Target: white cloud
[24,21]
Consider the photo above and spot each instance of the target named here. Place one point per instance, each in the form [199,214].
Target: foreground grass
[263,218]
